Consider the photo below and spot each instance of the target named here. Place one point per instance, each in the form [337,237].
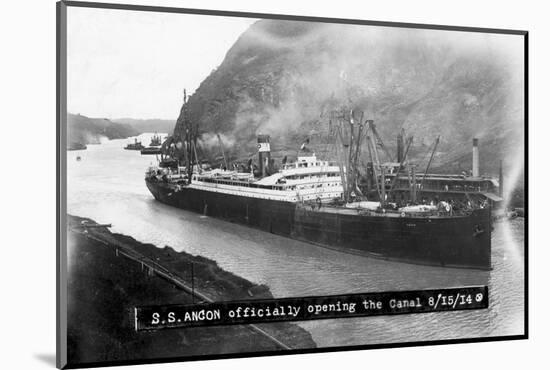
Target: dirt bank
[103,289]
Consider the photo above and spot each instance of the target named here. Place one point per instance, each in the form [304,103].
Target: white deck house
[304,180]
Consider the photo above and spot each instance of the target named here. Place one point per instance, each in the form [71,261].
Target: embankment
[103,289]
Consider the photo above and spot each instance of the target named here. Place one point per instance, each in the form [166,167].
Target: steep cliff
[281,78]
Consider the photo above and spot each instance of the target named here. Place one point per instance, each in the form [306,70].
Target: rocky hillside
[282,77]
[85,130]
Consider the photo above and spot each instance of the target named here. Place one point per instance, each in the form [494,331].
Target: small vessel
[156,140]
[151,151]
[136,145]
[76,146]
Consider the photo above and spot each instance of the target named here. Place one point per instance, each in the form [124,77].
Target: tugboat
[136,145]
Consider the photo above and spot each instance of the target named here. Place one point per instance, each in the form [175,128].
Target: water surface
[107,185]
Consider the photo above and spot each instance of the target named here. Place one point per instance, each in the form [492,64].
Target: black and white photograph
[238,184]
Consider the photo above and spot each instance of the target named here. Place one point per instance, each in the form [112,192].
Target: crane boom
[409,142]
[429,162]
[386,151]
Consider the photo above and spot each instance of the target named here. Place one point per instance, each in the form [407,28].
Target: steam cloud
[287,74]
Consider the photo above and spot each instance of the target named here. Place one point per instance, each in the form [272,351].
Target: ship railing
[247,184]
[391,212]
[397,213]
[459,189]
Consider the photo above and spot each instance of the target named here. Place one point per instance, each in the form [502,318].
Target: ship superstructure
[304,180]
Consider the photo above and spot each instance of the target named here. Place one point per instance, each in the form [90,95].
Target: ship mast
[349,130]
[401,164]
[429,164]
[377,166]
[355,160]
[223,152]
[413,183]
[380,142]
[341,160]
[199,169]
[185,135]
[371,157]
[335,115]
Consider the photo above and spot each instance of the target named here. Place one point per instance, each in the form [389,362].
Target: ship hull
[463,242]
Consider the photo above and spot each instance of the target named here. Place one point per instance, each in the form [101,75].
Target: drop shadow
[47,358]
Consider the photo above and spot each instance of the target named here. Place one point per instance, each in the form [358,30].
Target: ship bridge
[304,170]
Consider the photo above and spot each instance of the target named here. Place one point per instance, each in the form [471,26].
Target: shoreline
[104,285]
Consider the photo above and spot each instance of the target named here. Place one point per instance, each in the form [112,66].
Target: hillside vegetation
[282,77]
[148,125]
[85,130]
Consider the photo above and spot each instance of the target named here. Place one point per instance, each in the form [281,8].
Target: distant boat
[76,146]
[156,140]
[134,146]
[150,150]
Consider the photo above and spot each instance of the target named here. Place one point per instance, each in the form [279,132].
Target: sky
[130,64]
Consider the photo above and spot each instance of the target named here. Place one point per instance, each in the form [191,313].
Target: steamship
[156,140]
[309,200]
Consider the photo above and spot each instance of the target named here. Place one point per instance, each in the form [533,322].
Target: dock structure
[153,268]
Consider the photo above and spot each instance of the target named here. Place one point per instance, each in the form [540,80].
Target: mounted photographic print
[236,184]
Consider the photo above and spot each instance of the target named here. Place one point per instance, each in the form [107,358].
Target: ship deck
[365,212]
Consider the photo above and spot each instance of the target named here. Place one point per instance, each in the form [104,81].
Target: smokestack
[475,159]
[264,153]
